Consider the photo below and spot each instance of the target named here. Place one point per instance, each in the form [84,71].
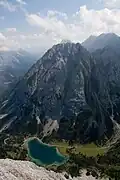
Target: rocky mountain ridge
[68,84]
[94,43]
[46,89]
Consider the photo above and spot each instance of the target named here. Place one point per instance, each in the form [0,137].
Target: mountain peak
[50,85]
[92,37]
[105,39]
[108,34]
[65,41]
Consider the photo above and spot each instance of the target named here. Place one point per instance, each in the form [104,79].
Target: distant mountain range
[79,89]
[13,65]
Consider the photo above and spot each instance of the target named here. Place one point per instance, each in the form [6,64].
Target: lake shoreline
[38,161]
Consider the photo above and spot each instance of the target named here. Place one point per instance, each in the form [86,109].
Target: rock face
[53,87]
[13,64]
[101,89]
[104,98]
[68,84]
[24,170]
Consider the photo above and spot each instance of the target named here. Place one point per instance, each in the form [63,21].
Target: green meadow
[87,149]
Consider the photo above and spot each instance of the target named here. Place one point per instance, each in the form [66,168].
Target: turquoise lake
[43,154]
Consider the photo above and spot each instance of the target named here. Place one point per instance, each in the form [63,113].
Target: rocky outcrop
[24,170]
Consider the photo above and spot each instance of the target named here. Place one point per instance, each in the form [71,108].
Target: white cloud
[2,37]
[55,14]
[2,42]
[13,7]
[56,26]
[8,42]
[4,48]
[21,2]
[7,5]
[50,25]
[112,3]
[98,21]
[82,23]
[11,29]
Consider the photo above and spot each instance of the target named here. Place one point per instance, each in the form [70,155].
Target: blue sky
[33,6]
[36,25]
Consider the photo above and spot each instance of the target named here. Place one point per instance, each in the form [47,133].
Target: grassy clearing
[92,150]
[88,149]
